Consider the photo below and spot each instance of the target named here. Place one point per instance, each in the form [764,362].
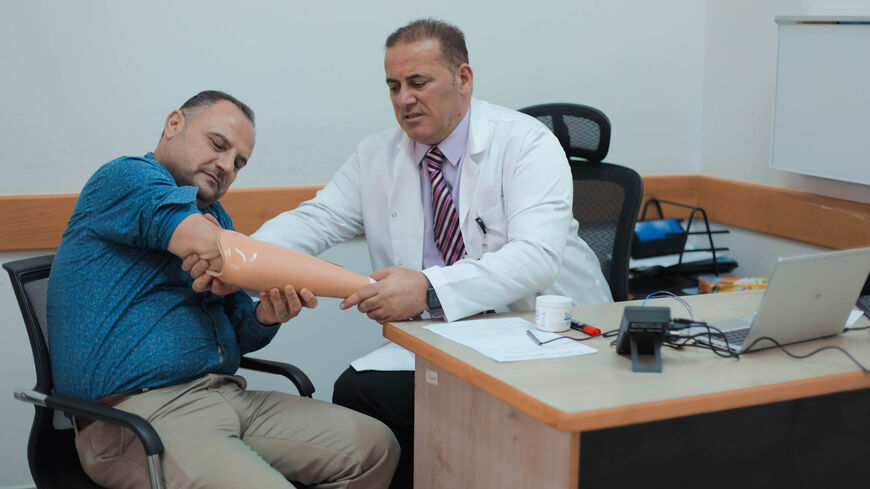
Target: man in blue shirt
[126,329]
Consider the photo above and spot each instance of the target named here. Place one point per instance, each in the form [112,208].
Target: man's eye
[216,145]
[393,88]
[418,84]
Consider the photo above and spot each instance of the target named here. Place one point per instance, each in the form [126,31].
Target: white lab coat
[514,176]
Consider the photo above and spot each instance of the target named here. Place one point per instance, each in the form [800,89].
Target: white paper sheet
[506,340]
[854,316]
[389,357]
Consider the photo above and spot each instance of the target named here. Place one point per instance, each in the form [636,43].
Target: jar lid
[553,301]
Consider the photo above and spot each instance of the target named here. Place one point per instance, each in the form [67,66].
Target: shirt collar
[453,146]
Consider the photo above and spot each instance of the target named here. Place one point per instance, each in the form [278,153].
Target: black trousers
[389,398]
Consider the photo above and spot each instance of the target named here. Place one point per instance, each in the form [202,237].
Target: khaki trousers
[218,435]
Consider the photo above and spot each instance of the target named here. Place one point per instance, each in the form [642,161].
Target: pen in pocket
[483,245]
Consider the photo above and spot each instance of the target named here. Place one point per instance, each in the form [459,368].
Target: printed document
[507,340]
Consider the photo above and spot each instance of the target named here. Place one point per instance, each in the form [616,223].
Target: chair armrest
[295,374]
[150,439]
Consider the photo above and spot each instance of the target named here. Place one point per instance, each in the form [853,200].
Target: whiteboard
[821,122]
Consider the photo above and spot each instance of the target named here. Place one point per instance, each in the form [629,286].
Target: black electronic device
[641,334]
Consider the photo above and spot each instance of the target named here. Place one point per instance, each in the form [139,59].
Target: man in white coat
[509,189]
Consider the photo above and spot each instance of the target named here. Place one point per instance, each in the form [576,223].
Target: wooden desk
[480,423]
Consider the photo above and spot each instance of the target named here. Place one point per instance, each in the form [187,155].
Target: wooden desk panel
[471,439]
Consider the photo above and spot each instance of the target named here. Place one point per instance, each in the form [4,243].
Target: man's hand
[196,266]
[278,306]
[398,294]
[204,282]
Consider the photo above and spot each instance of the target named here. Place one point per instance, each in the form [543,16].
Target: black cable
[679,341]
[801,357]
[605,334]
[682,324]
[686,323]
[856,329]
[568,338]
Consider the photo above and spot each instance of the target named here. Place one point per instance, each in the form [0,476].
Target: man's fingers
[220,288]
[359,296]
[309,300]
[202,283]
[189,262]
[199,268]
[382,273]
[376,315]
[277,302]
[294,304]
[350,301]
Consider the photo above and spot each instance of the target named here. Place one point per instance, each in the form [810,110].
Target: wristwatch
[432,302]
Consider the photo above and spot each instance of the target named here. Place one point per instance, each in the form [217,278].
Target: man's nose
[226,162]
[406,97]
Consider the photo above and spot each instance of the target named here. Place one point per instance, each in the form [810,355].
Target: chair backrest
[607,197]
[51,450]
[583,131]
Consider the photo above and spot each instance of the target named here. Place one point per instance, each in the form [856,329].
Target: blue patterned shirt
[121,312]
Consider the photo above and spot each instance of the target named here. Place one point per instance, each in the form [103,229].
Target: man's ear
[174,124]
[466,79]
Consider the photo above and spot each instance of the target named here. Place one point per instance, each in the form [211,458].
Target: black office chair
[51,451]
[606,196]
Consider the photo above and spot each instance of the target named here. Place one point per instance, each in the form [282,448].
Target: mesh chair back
[606,196]
[583,131]
[51,450]
[606,202]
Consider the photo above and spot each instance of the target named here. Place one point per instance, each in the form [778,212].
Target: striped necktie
[448,236]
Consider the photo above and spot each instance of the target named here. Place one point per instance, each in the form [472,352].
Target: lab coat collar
[478,130]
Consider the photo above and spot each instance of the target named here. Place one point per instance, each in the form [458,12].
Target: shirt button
[395,214]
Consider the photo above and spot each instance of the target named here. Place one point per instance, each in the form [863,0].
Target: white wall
[739,80]
[88,81]
[687,86]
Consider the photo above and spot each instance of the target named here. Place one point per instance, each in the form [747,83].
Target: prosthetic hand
[257,265]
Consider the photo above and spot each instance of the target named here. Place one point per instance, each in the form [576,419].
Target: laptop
[807,297]
[864,299]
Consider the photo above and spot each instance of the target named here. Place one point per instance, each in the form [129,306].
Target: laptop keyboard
[864,304]
[735,336]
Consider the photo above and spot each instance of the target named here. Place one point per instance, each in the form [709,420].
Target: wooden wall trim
[36,222]
[816,219]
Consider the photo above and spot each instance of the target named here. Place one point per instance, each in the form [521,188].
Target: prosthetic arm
[257,265]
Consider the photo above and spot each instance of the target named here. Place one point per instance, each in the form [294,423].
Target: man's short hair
[452,40]
[208,98]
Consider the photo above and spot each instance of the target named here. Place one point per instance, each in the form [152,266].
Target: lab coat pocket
[488,230]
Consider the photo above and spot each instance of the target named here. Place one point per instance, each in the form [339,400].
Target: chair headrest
[583,131]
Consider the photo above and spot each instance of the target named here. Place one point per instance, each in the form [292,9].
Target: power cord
[801,357]
[671,295]
[711,330]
